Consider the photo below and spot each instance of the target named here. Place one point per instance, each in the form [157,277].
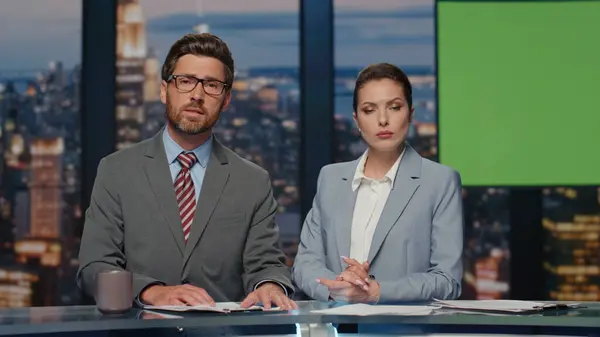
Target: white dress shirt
[370,199]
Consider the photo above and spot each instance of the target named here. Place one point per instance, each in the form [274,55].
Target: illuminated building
[39,138]
[152,78]
[16,288]
[31,90]
[57,74]
[131,30]
[45,188]
[131,63]
[572,247]
[39,247]
[426,129]
[12,167]
[268,98]
[486,256]
[241,90]
[489,282]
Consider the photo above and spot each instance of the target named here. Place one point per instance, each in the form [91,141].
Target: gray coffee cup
[114,291]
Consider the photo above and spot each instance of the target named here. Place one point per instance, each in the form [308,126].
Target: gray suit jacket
[417,246]
[133,223]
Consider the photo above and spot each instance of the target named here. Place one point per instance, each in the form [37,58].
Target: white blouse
[371,198]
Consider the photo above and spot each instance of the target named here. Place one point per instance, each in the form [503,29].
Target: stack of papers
[221,307]
[509,306]
[368,310]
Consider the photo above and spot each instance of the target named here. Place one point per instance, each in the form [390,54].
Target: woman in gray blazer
[388,226]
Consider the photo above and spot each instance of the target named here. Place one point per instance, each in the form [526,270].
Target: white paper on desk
[150,314]
[221,307]
[368,310]
[513,306]
[451,311]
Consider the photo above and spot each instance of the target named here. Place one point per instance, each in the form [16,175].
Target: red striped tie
[184,190]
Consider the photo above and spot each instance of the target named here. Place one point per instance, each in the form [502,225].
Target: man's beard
[188,127]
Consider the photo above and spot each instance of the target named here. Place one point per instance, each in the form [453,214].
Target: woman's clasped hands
[354,284]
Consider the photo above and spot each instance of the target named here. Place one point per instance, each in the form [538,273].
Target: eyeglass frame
[199,80]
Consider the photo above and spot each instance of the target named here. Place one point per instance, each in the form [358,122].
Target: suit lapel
[345,211]
[159,178]
[215,179]
[406,184]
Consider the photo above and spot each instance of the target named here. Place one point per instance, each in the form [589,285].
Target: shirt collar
[173,149]
[359,174]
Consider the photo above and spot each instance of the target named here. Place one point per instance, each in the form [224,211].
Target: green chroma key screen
[519,91]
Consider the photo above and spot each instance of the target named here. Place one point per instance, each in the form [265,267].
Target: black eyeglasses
[187,83]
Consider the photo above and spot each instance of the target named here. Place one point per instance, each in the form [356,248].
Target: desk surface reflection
[72,319]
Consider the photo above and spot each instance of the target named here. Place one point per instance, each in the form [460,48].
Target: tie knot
[187,160]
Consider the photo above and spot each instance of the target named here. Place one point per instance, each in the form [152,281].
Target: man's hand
[348,292]
[269,293]
[186,294]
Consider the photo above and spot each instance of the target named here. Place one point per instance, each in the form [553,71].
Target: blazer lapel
[159,178]
[215,179]
[406,184]
[345,211]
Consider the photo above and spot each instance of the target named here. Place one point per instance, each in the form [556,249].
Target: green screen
[519,91]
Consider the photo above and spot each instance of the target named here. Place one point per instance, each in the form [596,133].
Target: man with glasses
[192,221]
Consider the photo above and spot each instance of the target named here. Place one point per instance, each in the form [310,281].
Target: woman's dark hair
[205,44]
[381,71]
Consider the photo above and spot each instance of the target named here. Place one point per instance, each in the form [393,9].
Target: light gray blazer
[133,223]
[417,246]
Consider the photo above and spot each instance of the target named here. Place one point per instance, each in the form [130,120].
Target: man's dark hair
[381,71]
[204,44]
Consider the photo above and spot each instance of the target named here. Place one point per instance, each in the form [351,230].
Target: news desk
[86,321]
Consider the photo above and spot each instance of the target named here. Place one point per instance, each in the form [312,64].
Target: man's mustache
[193,106]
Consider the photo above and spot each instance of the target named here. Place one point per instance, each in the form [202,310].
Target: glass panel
[402,33]
[262,122]
[40,145]
[397,32]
